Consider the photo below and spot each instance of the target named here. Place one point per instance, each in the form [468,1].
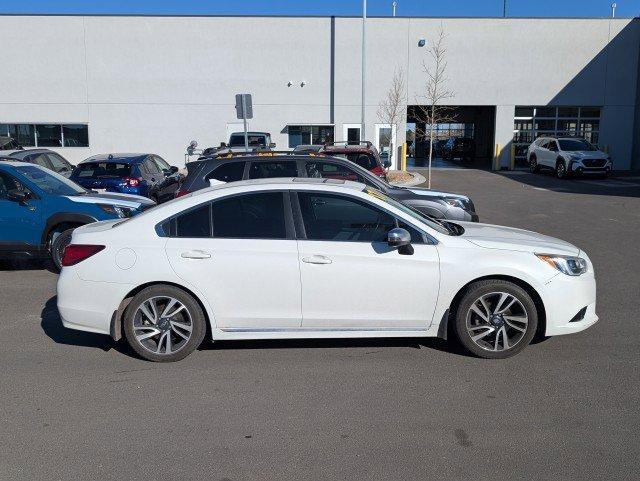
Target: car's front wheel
[533,165]
[561,170]
[164,324]
[57,244]
[495,319]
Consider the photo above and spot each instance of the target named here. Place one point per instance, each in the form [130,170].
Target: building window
[310,135]
[533,122]
[47,135]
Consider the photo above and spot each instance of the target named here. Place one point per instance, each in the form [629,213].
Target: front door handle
[197,254]
[317,259]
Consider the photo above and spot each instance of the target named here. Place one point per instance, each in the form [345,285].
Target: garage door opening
[467,140]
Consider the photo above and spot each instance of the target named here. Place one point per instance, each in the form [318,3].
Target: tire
[503,334]
[58,241]
[186,313]
[534,168]
[561,169]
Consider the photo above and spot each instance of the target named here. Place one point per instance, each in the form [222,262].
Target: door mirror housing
[16,195]
[386,164]
[398,237]
[272,145]
[173,169]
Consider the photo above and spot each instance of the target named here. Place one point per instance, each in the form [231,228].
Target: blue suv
[140,174]
[39,210]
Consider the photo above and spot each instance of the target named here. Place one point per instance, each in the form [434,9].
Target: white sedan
[307,258]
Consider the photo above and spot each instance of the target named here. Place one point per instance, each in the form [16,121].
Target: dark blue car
[39,210]
[148,175]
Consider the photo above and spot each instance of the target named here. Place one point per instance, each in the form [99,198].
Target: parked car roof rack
[348,143]
[267,153]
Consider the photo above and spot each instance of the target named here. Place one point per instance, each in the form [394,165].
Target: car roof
[250,133]
[11,162]
[126,158]
[286,183]
[18,154]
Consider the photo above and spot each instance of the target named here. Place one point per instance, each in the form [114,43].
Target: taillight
[75,253]
[132,181]
[181,192]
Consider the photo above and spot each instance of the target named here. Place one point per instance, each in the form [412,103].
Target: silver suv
[568,156]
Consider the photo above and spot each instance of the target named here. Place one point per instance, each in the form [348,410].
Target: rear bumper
[87,305]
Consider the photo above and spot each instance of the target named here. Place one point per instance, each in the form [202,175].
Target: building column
[504,134]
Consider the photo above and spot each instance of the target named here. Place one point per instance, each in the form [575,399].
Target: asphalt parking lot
[74,405]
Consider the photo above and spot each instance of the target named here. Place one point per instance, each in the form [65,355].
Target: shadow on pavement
[26,265]
[52,326]
[622,184]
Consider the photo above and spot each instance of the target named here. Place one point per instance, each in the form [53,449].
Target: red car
[362,153]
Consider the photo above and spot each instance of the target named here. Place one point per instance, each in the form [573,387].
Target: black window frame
[301,233]
[168,227]
[267,160]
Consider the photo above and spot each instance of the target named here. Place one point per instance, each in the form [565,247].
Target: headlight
[575,157]
[571,266]
[115,210]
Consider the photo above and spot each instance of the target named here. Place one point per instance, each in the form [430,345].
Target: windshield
[420,217]
[237,140]
[103,170]
[50,182]
[573,145]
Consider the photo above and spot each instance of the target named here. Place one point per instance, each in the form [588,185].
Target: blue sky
[515,8]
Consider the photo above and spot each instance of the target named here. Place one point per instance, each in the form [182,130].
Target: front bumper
[564,297]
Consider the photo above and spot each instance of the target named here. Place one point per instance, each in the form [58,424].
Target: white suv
[567,156]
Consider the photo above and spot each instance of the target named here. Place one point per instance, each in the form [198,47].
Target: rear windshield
[366,161]
[103,170]
[254,140]
[573,145]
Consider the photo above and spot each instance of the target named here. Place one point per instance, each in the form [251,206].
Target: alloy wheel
[497,321]
[561,170]
[162,325]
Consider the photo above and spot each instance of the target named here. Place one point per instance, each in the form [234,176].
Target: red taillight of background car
[181,192]
[132,181]
[75,253]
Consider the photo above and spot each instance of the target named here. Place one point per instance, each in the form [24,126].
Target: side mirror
[386,164]
[16,195]
[272,145]
[400,239]
[173,169]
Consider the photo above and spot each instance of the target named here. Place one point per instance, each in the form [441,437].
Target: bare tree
[393,107]
[432,112]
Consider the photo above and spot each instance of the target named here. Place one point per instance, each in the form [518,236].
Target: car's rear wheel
[496,319]
[164,324]
[58,242]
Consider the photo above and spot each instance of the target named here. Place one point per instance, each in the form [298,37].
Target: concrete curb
[416,179]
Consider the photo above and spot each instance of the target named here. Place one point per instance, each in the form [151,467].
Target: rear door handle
[197,254]
[317,259]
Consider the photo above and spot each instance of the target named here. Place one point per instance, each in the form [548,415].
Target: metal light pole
[364,31]
[613,10]
[504,9]
[393,6]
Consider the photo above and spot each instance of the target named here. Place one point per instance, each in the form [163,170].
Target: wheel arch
[117,317]
[66,220]
[537,299]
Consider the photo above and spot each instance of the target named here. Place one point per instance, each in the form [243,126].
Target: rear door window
[58,163]
[194,223]
[250,216]
[39,159]
[271,169]
[227,172]
[151,166]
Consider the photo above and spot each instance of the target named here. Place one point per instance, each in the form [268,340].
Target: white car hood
[590,154]
[435,193]
[509,238]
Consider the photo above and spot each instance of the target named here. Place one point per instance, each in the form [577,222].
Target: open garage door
[467,140]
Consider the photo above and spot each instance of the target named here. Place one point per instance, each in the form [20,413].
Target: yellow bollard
[496,160]
[404,157]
